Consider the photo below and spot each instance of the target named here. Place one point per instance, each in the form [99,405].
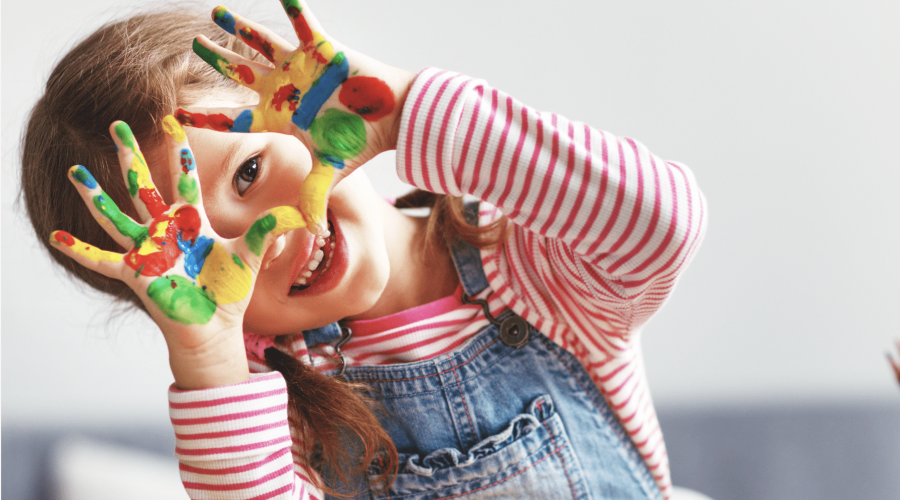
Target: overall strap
[328,334]
[467,258]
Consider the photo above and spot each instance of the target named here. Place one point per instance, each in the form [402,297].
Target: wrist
[401,85]
[214,364]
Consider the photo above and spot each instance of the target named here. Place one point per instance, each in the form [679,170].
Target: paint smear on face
[173,128]
[215,121]
[62,238]
[339,134]
[367,96]
[139,175]
[278,221]
[224,277]
[181,300]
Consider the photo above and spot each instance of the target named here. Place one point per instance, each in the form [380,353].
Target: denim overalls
[509,414]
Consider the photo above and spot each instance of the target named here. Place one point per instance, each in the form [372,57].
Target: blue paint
[195,255]
[334,161]
[243,122]
[337,71]
[225,20]
[187,159]
[82,175]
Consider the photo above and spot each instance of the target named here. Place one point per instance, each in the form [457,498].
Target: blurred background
[768,364]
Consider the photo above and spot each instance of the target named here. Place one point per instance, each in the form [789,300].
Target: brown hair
[138,70]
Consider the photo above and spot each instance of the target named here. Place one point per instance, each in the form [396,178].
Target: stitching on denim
[561,459]
[495,483]
[459,387]
[362,379]
[640,477]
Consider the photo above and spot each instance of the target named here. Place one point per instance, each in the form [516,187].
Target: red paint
[244,72]
[64,238]
[187,222]
[157,263]
[367,96]
[252,38]
[153,201]
[301,28]
[217,121]
[287,93]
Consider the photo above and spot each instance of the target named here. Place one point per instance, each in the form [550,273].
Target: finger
[257,36]
[222,119]
[121,227]
[184,176]
[106,263]
[270,226]
[313,196]
[307,28]
[236,67]
[143,193]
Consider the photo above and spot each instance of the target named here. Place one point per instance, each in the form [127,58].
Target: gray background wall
[787,111]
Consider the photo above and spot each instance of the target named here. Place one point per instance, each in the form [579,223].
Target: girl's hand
[195,284]
[345,107]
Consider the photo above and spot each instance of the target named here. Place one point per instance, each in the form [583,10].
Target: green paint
[187,188]
[123,132]
[132,183]
[257,233]
[215,60]
[237,260]
[181,300]
[123,223]
[338,133]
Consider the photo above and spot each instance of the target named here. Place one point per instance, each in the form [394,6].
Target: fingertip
[172,127]
[224,18]
[81,175]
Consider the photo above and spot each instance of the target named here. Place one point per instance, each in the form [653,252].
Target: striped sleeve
[601,231]
[234,442]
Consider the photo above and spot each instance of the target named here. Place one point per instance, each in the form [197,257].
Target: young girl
[322,341]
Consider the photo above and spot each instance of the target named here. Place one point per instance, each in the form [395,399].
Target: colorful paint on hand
[181,300]
[224,276]
[174,129]
[278,221]
[139,181]
[216,121]
[62,238]
[187,184]
[368,97]
[239,72]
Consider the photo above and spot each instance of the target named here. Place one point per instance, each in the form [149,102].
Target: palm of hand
[298,95]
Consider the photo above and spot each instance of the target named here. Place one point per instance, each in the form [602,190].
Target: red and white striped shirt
[602,229]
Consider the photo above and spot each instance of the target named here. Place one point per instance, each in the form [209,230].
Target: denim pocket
[530,458]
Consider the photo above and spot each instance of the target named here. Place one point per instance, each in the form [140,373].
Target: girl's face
[244,175]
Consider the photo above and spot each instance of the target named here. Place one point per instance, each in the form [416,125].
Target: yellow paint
[223,279]
[148,246]
[173,128]
[286,219]
[313,192]
[87,251]
[158,230]
[303,71]
[139,166]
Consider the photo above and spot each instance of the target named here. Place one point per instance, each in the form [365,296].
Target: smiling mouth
[319,261]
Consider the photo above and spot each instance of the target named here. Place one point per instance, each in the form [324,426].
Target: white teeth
[315,261]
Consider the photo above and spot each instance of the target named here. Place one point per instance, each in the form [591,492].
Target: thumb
[314,193]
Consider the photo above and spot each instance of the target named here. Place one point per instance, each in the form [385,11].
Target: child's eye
[246,174]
